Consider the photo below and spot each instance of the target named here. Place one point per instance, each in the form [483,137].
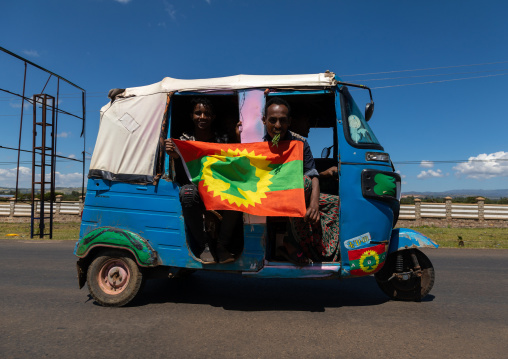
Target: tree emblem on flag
[240,177]
[369,261]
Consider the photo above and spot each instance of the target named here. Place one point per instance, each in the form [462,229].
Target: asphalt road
[214,315]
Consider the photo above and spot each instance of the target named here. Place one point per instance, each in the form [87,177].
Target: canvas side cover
[128,139]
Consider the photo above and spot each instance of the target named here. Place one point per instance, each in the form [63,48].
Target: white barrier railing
[450,211]
[12,209]
[416,211]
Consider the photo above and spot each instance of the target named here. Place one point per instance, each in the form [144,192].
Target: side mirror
[325,153]
[369,110]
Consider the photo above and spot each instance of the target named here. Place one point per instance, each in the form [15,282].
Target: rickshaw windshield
[357,128]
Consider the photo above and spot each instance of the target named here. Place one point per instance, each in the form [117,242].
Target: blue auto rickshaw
[132,226]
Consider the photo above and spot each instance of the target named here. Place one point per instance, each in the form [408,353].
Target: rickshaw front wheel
[114,278]
[400,279]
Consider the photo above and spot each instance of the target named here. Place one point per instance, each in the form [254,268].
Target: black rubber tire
[119,264]
[413,289]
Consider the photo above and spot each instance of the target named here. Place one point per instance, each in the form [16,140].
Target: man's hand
[171,148]
[331,172]
[312,215]
[238,131]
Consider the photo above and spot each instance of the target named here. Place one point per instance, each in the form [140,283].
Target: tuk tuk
[132,225]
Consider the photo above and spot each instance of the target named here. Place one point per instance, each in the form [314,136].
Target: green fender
[118,238]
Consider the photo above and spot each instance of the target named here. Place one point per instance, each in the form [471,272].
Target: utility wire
[47,154]
[451,73]
[413,162]
[103,94]
[435,82]
[429,68]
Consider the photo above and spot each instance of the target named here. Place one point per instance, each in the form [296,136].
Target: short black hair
[277,101]
[203,101]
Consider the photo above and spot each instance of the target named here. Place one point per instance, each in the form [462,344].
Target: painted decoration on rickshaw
[367,260]
[358,241]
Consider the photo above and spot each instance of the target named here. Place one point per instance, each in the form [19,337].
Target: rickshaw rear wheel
[416,287]
[114,278]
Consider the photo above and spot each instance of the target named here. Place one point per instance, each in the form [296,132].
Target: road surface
[216,315]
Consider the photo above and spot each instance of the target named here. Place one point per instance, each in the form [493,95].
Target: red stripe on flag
[288,203]
[286,150]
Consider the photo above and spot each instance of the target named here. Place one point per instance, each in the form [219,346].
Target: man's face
[277,120]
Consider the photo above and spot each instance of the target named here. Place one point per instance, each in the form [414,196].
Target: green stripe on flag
[286,176]
[195,167]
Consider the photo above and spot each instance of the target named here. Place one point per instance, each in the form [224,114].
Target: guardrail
[450,211]
[12,209]
[419,210]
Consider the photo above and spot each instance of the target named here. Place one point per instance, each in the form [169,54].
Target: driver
[316,235]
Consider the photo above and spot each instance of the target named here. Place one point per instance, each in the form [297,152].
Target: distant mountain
[487,193]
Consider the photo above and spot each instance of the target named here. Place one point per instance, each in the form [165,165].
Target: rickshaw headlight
[377,156]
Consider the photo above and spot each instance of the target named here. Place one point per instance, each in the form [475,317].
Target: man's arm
[312,213]
[329,173]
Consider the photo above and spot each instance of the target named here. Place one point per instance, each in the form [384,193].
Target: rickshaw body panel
[153,212]
[360,217]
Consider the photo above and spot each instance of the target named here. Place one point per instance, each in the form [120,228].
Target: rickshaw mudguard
[403,238]
[110,237]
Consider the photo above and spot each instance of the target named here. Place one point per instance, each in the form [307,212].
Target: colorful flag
[366,261]
[256,178]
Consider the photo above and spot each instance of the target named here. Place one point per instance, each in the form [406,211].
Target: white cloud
[430,174]
[72,156]
[170,9]
[11,173]
[32,53]
[68,179]
[63,134]
[8,178]
[123,1]
[209,2]
[484,166]
[426,164]
[18,104]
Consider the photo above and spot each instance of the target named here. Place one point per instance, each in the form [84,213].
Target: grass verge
[64,230]
[445,237]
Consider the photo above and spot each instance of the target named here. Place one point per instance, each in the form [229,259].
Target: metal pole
[34,136]
[19,142]
[83,133]
[43,166]
[53,164]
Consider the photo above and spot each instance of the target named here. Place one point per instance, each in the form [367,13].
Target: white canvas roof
[130,127]
[169,84]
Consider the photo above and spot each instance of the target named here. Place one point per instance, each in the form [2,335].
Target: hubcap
[114,276]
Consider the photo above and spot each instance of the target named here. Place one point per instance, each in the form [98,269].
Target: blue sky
[103,44]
